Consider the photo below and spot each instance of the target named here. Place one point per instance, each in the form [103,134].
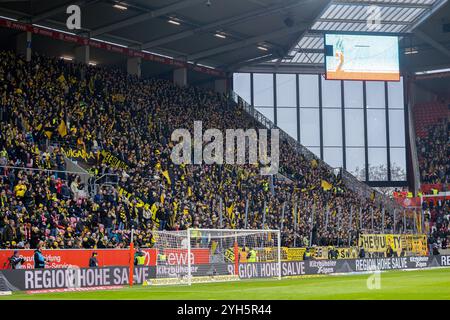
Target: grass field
[421,284]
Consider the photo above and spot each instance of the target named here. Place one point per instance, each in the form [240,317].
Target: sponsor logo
[323,267]
[421,262]
[445,260]
[324,263]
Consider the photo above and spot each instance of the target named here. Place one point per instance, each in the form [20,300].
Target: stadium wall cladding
[66,278]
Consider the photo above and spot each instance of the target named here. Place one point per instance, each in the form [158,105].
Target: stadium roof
[226,34]
[218,33]
[397,16]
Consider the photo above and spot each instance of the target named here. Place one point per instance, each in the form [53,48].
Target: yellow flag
[326,185]
[62,129]
[189,191]
[165,173]
[230,210]
[48,134]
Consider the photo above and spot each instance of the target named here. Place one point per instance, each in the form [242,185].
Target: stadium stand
[114,123]
[432,139]
[434,153]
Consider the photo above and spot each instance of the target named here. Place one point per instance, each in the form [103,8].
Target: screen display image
[362,57]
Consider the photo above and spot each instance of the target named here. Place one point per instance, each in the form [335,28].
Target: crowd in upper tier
[49,106]
[434,153]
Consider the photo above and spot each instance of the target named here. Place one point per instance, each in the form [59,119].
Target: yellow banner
[416,243]
[398,242]
[348,253]
[113,161]
[78,154]
[292,254]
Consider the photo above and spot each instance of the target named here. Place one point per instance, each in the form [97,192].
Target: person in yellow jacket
[251,255]
[20,190]
[139,257]
[243,255]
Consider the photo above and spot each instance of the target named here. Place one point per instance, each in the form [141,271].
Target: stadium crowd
[50,109]
[434,153]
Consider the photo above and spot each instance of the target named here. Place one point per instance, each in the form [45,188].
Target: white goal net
[208,255]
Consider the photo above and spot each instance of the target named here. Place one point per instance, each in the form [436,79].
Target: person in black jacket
[93,262]
[362,253]
[39,260]
[15,261]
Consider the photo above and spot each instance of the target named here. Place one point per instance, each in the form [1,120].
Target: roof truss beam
[221,23]
[248,42]
[150,14]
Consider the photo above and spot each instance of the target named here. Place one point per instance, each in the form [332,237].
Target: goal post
[211,255]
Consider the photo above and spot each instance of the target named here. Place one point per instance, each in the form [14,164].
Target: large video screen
[362,57]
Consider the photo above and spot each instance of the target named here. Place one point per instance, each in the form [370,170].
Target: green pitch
[421,284]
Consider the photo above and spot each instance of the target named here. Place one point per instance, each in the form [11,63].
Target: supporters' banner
[408,202]
[113,161]
[79,155]
[415,243]
[292,254]
[348,253]
[318,253]
[379,243]
[66,258]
